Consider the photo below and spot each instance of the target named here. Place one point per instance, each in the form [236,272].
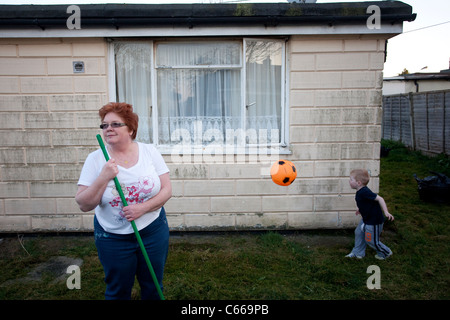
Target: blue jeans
[122,259]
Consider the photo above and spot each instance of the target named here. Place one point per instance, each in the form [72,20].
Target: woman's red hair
[125,111]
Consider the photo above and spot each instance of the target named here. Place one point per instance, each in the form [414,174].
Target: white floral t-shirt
[139,183]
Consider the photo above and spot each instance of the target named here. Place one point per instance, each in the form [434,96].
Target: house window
[202,93]
[133,69]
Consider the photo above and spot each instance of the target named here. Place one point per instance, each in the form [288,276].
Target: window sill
[180,150]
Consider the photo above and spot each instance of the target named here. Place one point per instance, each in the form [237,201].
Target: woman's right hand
[109,170]
[88,197]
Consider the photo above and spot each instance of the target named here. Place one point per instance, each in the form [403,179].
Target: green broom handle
[136,232]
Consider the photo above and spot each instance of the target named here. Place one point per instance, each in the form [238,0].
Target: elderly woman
[145,182]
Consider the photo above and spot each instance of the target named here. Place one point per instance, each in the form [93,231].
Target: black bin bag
[434,188]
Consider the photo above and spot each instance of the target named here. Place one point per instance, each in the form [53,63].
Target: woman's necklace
[120,159]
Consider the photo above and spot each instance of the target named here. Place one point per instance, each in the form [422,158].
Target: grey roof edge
[420,76]
[121,15]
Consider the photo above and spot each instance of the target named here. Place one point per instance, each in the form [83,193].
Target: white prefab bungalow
[222,90]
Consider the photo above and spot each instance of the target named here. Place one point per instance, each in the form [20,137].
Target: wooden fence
[419,120]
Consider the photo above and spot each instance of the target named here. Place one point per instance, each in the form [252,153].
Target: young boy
[369,228]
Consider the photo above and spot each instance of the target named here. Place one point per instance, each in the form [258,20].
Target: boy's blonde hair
[361,175]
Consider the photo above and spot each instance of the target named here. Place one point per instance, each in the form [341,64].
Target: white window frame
[284,119]
[282,147]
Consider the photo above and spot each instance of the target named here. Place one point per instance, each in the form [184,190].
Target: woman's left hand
[132,212]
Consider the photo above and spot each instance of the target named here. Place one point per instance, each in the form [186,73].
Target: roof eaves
[273,14]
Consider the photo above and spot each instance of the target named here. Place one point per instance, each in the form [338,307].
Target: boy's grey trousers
[366,234]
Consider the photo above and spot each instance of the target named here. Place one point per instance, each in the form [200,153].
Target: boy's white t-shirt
[139,183]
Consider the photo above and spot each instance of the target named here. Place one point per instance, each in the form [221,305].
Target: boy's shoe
[352,255]
[382,258]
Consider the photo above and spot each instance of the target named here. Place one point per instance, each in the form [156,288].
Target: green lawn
[302,265]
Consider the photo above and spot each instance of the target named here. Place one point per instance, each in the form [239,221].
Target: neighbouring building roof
[443,75]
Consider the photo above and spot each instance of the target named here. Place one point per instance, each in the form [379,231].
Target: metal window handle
[250,104]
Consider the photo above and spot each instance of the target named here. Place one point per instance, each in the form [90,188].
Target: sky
[423,46]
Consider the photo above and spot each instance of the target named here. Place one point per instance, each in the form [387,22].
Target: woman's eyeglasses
[112,124]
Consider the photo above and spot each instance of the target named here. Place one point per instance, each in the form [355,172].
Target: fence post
[428,127]
[383,103]
[400,119]
[411,120]
[444,150]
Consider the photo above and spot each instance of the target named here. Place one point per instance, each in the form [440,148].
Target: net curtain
[199,90]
